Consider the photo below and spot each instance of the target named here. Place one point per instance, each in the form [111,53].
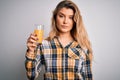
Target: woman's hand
[32,42]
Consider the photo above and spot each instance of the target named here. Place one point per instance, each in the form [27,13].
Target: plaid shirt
[61,63]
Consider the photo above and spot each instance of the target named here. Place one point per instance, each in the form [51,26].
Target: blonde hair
[78,32]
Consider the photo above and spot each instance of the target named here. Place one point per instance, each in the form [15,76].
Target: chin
[64,31]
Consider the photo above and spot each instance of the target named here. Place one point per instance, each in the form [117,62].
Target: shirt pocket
[73,53]
[76,53]
[76,56]
[74,60]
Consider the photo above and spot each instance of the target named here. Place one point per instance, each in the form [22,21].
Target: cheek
[71,23]
[58,21]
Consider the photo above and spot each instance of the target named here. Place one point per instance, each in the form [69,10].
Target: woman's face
[64,20]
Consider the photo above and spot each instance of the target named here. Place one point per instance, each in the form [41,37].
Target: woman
[66,53]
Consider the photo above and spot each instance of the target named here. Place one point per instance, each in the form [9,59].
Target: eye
[61,16]
[71,17]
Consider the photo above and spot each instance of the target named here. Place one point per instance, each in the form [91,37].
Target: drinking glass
[39,31]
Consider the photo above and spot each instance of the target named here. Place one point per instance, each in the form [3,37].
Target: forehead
[66,11]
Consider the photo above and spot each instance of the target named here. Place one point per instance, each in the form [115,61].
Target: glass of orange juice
[39,31]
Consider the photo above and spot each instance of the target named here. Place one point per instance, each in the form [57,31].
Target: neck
[65,36]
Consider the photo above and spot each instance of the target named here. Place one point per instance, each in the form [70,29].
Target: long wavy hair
[78,32]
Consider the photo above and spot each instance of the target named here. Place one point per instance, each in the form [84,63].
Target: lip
[64,26]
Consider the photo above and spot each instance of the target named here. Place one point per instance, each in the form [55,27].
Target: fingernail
[35,34]
[37,38]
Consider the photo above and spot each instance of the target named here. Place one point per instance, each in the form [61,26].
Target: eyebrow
[63,14]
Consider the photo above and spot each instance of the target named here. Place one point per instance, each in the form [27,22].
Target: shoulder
[46,44]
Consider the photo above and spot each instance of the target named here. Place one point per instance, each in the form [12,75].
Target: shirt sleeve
[33,64]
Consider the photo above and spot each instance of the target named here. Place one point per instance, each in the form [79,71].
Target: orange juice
[39,34]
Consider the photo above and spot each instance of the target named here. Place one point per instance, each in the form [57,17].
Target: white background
[17,19]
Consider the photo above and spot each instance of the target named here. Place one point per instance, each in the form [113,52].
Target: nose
[65,20]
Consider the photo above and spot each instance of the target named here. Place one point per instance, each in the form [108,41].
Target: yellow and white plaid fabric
[61,63]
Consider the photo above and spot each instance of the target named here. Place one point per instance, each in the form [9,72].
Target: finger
[34,37]
[34,45]
[32,40]
[33,34]
[31,43]
[31,46]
